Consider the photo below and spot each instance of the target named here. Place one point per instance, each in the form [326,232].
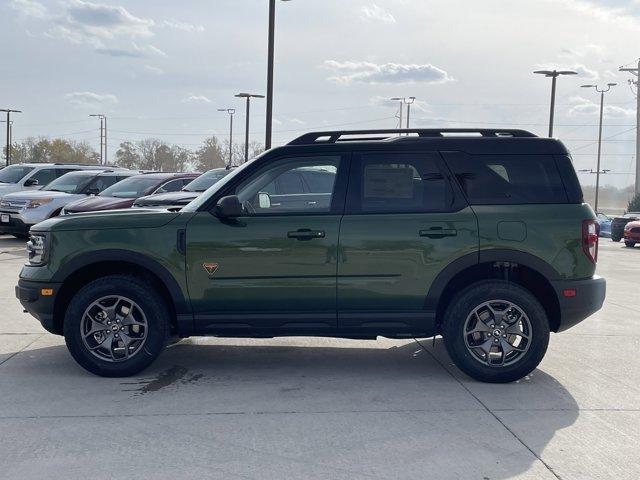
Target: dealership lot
[324,408]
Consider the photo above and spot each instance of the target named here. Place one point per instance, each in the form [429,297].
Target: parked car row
[32,193]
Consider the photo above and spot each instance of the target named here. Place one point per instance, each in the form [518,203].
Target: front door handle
[438,232]
[306,234]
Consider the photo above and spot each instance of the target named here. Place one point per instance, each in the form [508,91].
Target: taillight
[590,239]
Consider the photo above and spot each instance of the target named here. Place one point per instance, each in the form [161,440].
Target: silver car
[21,210]
[34,176]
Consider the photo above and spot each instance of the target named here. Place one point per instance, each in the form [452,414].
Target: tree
[44,150]
[210,155]
[634,203]
[127,156]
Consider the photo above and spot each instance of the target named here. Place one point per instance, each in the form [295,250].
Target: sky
[162,69]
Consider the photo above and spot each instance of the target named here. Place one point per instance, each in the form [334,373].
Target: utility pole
[632,82]
[231,112]
[401,100]
[248,96]
[553,74]
[103,136]
[601,92]
[9,111]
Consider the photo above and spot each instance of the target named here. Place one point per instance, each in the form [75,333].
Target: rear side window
[398,183]
[508,179]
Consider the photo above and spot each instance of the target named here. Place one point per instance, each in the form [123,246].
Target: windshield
[205,180]
[13,173]
[132,187]
[195,204]
[72,182]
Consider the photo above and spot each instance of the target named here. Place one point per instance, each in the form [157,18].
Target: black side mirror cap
[30,182]
[228,207]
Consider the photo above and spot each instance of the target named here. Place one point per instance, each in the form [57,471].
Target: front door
[273,268]
[402,225]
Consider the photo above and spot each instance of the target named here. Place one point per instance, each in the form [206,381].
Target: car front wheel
[496,331]
[116,326]
[629,244]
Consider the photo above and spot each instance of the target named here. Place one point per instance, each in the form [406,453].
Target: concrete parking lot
[323,408]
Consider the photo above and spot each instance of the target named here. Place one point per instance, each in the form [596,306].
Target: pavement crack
[21,350]
[547,466]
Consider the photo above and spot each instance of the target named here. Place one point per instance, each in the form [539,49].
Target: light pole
[231,112]
[248,96]
[601,92]
[103,135]
[9,111]
[554,74]
[270,55]
[636,73]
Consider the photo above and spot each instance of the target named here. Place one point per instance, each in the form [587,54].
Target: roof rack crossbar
[336,136]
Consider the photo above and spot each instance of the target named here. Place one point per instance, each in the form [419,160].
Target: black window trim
[453,195]
[338,199]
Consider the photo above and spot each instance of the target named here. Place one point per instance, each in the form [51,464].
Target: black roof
[475,141]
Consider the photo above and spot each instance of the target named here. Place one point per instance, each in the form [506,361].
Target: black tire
[148,300]
[476,294]
[629,244]
[615,238]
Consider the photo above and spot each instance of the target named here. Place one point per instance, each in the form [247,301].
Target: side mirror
[228,207]
[30,182]
[93,191]
[264,200]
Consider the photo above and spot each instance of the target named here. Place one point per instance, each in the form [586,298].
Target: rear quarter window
[507,179]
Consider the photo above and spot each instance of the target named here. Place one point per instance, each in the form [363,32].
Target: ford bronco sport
[480,236]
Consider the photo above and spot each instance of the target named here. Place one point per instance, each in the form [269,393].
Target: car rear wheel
[630,244]
[496,331]
[116,326]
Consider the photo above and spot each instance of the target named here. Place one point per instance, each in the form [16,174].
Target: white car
[19,211]
[33,176]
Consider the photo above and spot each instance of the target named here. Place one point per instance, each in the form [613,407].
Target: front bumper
[632,236]
[29,294]
[579,299]
[15,226]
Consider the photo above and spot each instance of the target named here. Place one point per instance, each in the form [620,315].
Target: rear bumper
[588,299]
[30,296]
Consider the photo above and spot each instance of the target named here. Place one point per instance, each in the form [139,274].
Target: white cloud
[583,51]
[196,99]
[91,99]
[374,12]
[29,8]
[619,12]
[153,70]
[368,72]
[185,27]
[297,121]
[585,106]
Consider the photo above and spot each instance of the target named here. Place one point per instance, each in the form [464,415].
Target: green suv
[481,236]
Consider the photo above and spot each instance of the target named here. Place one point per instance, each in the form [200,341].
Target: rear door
[403,224]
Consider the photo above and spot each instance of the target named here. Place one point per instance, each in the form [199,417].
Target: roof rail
[336,136]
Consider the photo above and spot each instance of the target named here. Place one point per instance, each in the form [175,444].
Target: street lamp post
[409,101]
[554,74]
[9,111]
[231,112]
[270,58]
[601,92]
[248,96]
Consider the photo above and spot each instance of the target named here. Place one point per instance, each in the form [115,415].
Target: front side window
[508,179]
[279,188]
[397,183]
[102,182]
[44,176]
[172,186]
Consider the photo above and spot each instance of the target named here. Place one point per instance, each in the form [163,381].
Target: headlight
[39,202]
[38,249]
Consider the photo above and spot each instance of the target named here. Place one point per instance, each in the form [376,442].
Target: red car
[124,193]
[632,233]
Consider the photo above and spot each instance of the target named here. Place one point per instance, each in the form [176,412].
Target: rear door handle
[306,234]
[438,232]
